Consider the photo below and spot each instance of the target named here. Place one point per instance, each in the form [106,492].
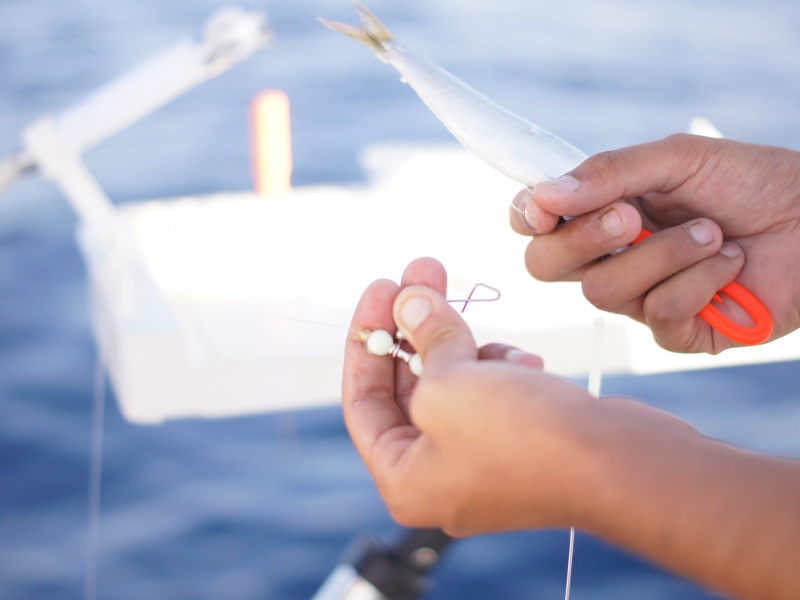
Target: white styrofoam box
[233,304]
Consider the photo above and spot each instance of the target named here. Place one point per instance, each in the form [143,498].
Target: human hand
[712,204]
[484,440]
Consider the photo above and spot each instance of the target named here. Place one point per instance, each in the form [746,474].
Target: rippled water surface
[261,507]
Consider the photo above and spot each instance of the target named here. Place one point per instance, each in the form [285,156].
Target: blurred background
[262,506]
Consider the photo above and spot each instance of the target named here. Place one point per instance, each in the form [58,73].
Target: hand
[484,440]
[721,210]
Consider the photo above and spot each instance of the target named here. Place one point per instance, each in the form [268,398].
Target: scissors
[749,336]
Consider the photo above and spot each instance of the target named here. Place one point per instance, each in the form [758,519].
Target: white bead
[380,342]
[415,364]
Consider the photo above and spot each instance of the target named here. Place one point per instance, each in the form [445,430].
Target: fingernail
[612,224]
[529,221]
[414,311]
[518,357]
[523,202]
[522,198]
[701,233]
[730,250]
[566,183]
[515,355]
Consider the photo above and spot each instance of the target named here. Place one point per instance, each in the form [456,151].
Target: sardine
[521,150]
[517,148]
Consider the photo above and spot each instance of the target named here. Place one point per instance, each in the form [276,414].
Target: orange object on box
[271,141]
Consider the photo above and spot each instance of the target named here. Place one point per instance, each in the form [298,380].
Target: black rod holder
[395,571]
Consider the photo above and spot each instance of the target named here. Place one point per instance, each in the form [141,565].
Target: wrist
[696,506]
[628,451]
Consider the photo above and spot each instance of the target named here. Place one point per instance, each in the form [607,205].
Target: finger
[671,309]
[427,272]
[565,253]
[619,284]
[430,273]
[510,354]
[659,166]
[434,328]
[368,385]
[528,218]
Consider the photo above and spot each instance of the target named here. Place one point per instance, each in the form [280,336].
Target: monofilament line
[596,365]
[593,387]
[494,297]
[95,478]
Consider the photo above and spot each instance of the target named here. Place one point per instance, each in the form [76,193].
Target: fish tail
[372,24]
[372,34]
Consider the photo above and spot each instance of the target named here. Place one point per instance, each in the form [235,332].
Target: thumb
[659,166]
[433,328]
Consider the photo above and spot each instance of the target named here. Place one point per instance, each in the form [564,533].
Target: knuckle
[403,509]
[679,139]
[659,309]
[605,163]
[445,335]
[448,331]
[541,272]
[690,144]
[597,291]
[412,509]
[539,267]
[405,514]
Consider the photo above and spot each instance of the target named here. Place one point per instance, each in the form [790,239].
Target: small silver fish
[517,148]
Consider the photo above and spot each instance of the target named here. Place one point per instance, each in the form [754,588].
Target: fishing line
[593,387]
[95,477]
[471,298]
[596,366]
[98,422]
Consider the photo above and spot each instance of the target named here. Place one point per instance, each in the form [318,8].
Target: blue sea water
[261,507]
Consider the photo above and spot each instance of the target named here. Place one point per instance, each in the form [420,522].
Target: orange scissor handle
[762,319]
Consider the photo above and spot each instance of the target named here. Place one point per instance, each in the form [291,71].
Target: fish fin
[372,34]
